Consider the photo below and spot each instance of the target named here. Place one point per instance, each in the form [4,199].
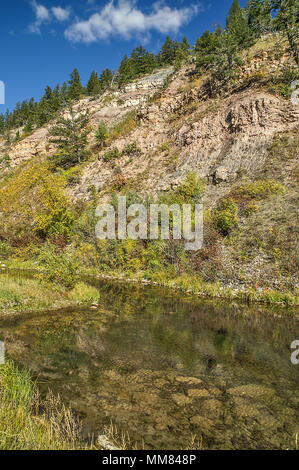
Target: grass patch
[83,293]
[23,295]
[27,422]
[27,295]
[124,127]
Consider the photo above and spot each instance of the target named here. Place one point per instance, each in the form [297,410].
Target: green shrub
[102,134]
[124,127]
[5,160]
[73,175]
[5,250]
[132,150]
[262,189]
[112,154]
[57,268]
[282,83]
[189,192]
[274,297]
[225,216]
[33,203]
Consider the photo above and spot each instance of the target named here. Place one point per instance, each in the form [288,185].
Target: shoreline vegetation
[23,295]
[28,422]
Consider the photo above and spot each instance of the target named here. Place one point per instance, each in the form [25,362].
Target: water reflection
[167,367]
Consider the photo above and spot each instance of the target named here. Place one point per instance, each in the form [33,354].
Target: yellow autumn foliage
[34,200]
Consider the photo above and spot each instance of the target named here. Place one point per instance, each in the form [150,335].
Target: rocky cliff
[244,133]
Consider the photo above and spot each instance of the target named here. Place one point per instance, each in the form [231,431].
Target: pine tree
[125,71]
[70,135]
[142,62]
[207,48]
[168,51]
[93,85]
[287,20]
[106,79]
[185,45]
[181,54]
[259,16]
[75,86]
[237,26]
[102,134]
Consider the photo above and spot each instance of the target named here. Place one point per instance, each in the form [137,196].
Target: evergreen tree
[2,123]
[102,134]
[259,16]
[63,93]
[287,20]
[75,86]
[48,93]
[185,45]
[207,47]
[93,85]
[181,54]
[168,51]
[70,135]
[237,26]
[142,62]
[106,79]
[125,71]
[218,51]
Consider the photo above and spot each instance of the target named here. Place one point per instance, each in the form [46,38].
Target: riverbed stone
[245,409]
[251,391]
[205,424]
[198,393]
[160,383]
[213,407]
[188,380]
[180,399]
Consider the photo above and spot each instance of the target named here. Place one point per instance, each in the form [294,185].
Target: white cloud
[61,14]
[124,19]
[45,15]
[42,15]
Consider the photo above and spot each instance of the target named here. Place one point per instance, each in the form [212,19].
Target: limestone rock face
[178,130]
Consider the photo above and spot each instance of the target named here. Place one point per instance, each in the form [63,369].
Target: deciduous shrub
[33,203]
[189,192]
[57,268]
[225,216]
[261,189]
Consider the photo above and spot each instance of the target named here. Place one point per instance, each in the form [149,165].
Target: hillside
[238,142]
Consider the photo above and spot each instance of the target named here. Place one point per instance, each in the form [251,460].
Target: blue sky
[43,41]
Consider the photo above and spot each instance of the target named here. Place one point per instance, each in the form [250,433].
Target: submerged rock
[198,393]
[251,391]
[180,399]
[189,380]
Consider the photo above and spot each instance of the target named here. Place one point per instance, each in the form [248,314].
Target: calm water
[168,369]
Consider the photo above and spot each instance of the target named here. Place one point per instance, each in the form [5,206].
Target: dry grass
[18,294]
[29,423]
